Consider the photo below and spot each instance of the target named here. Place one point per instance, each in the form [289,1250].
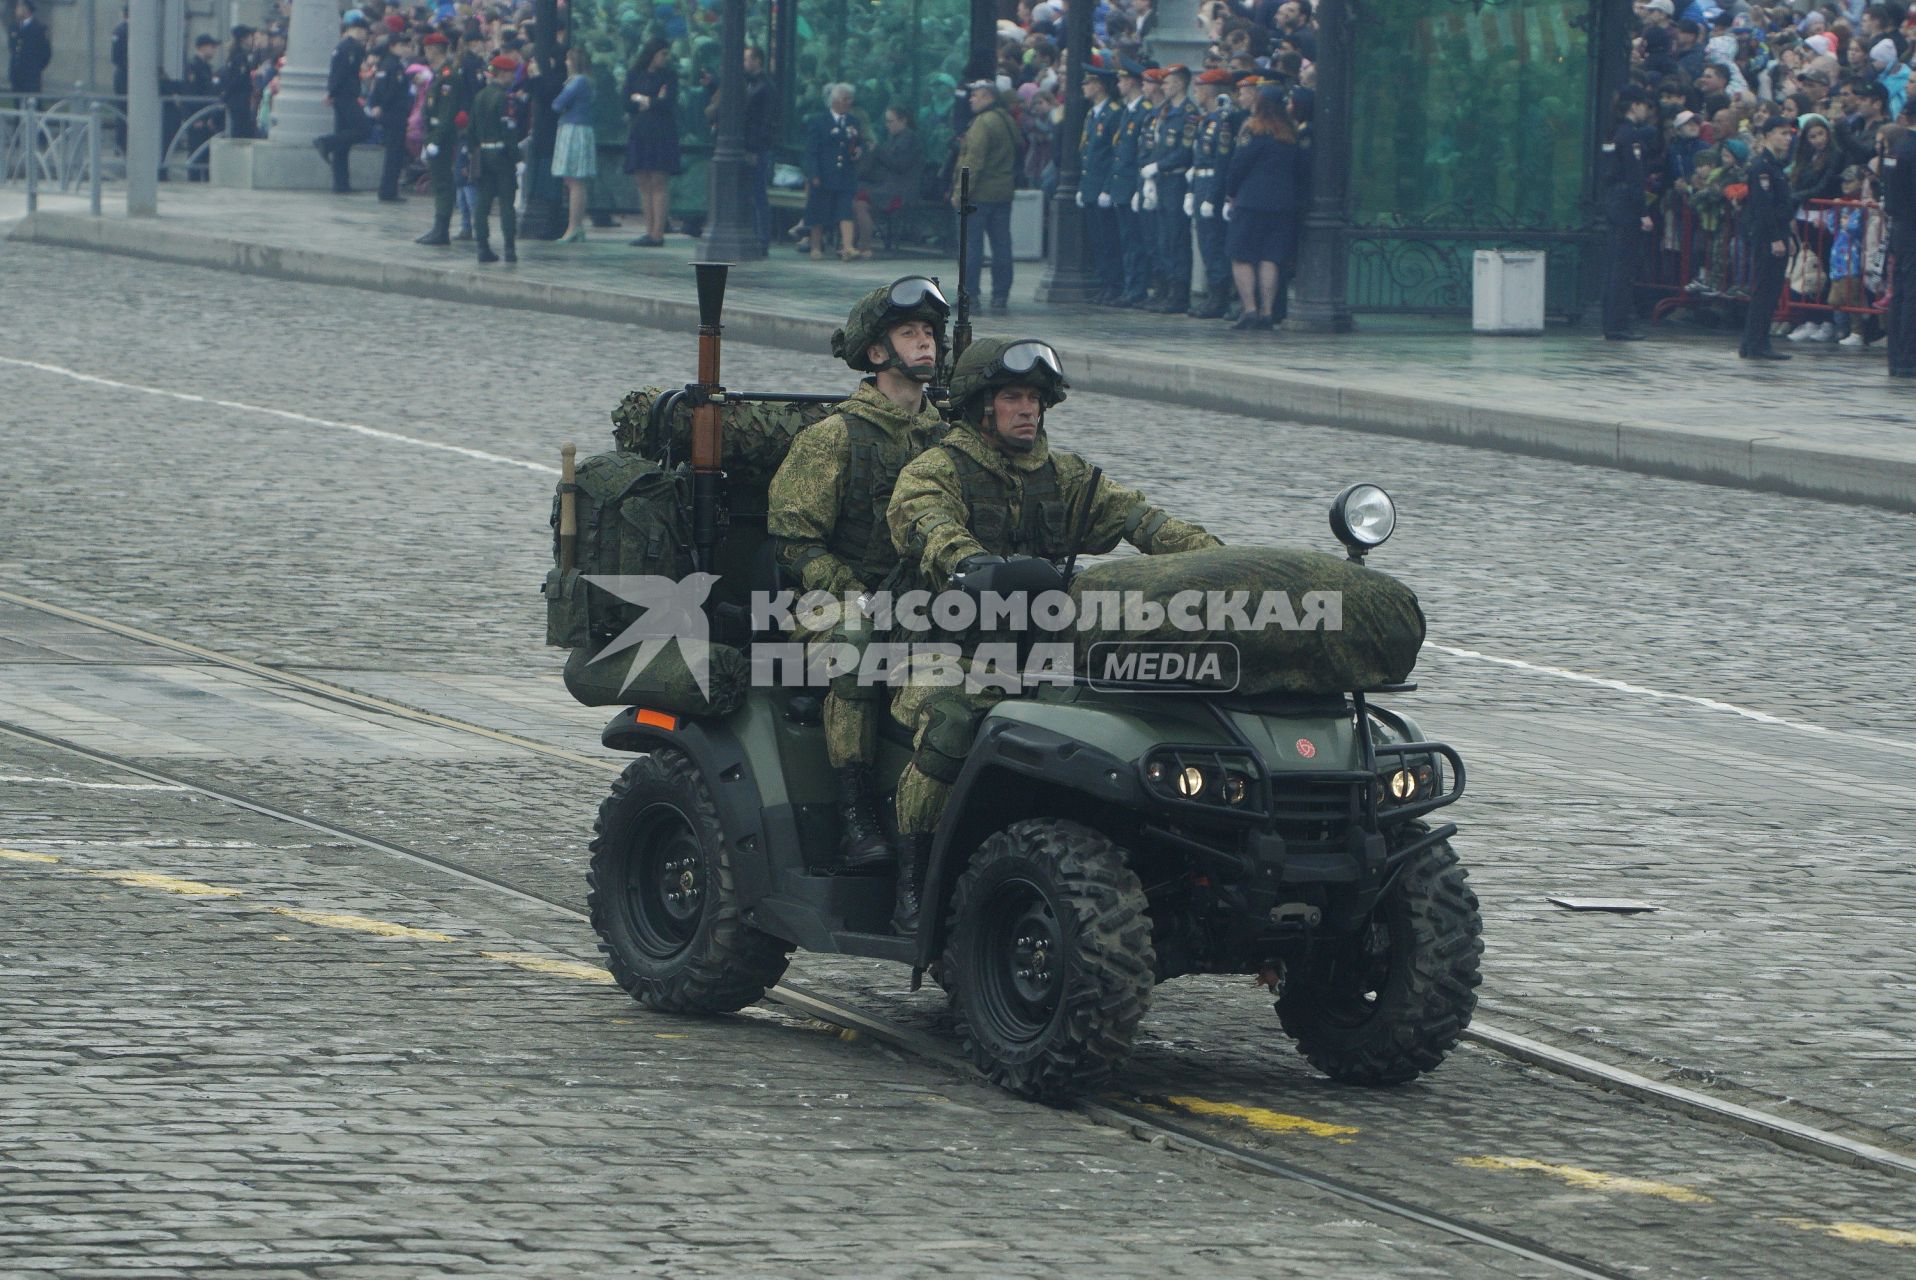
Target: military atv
[1102,837]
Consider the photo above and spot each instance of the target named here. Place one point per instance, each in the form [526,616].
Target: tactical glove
[997,575]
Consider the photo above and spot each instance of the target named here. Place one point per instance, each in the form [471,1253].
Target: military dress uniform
[1899,201]
[1210,160]
[1625,181]
[1176,136]
[1096,148]
[349,118]
[492,138]
[1134,246]
[1766,219]
[442,140]
[392,95]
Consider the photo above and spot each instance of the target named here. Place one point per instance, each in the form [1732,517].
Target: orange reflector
[657,719]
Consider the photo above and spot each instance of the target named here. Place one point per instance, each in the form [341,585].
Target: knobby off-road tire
[662,897]
[1388,1006]
[1055,902]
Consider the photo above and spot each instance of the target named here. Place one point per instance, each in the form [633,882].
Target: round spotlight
[1403,784]
[1191,782]
[1363,516]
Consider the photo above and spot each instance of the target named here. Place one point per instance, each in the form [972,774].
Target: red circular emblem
[1306,748]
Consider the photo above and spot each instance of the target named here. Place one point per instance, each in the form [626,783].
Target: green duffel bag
[1339,626]
[633,519]
[757,436]
[665,684]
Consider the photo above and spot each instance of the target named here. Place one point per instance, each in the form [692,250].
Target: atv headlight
[1363,516]
[1419,778]
[1210,779]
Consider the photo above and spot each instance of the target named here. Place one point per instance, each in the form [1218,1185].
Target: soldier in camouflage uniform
[994,488]
[828,505]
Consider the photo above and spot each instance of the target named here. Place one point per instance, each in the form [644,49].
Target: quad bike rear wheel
[1048,958]
[662,897]
[1388,1003]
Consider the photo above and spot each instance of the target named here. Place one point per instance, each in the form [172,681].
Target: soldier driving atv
[989,509]
[828,505]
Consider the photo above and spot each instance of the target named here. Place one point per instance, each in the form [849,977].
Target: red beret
[1216,75]
[505,62]
[436,38]
[395,23]
[461,120]
[1154,74]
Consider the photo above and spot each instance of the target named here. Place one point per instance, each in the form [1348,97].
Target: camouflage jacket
[829,497]
[965,498]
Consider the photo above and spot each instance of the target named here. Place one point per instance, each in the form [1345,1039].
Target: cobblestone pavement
[1775,850]
[226,1053]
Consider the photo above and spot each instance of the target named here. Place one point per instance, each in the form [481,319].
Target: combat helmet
[991,363]
[875,315]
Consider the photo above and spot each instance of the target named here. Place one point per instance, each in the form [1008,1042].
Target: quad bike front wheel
[1388,1003]
[1048,958]
[662,898]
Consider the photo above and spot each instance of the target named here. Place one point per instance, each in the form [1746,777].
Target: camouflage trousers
[851,710]
[943,719]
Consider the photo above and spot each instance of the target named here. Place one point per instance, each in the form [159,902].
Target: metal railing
[60,147]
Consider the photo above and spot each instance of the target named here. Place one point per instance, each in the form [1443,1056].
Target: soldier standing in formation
[992,489]
[1096,147]
[442,137]
[1625,183]
[492,139]
[827,514]
[1146,201]
[391,103]
[1218,123]
[1899,201]
[1168,164]
[1133,247]
[1766,222]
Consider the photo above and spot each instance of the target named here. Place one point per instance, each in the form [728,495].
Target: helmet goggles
[912,292]
[1027,357]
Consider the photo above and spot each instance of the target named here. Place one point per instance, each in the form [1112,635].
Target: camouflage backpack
[634,517]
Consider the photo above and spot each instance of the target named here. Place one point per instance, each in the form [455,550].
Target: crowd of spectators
[1719,75]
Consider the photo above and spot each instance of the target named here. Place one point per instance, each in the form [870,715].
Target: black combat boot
[863,842]
[436,236]
[512,249]
[485,251]
[914,856]
[1211,305]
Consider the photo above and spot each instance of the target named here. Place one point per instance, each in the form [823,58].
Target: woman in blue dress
[652,145]
[575,154]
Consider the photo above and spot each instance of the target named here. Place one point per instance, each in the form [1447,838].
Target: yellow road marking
[21,855]
[547,965]
[1263,1119]
[165,883]
[666,1035]
[1857,1232]
[361,924]
[1589,1179]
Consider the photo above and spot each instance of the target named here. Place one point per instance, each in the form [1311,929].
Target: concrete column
[143,108]
[300,113]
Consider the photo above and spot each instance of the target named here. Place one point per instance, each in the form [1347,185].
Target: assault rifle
[961,320]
